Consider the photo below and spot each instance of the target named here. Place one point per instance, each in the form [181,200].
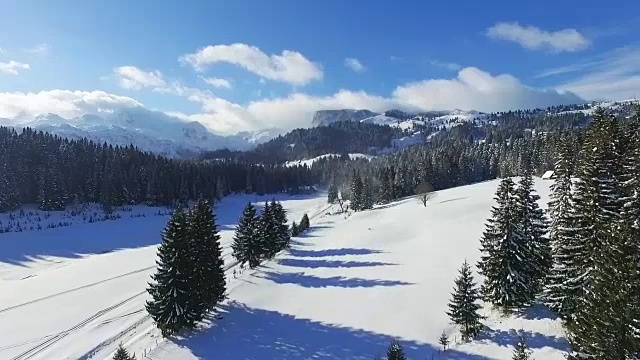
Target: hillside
[313,301]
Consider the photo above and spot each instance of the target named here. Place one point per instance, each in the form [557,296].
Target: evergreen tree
[357,192]
[294,229]
[268,235]
[563,288]
[207,255]
[532,226]
[395,352]
[172,306]
[280,216]
[503,253]
[245,244]
[332,193]
[444,341]
[367,194]
[521,351]
[463,307]
[304,222]
[122,354]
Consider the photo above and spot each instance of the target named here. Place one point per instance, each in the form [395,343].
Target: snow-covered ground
[74,292]
[309,162]
[350,285]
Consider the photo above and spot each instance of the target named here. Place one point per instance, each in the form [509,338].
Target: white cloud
[131,77]
[290,67]
[533,38]
[354,64]
[13,67]
[447,65]
[470,89]
[41,49]
[614,75]
[217,82]
[65,103]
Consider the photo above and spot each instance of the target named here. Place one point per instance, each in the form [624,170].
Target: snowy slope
[351,285]
[69,292]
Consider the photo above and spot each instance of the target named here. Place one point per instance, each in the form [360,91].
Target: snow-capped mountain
[148,130]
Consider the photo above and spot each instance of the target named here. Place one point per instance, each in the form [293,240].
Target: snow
[381,120]
[343,291]
[309,162]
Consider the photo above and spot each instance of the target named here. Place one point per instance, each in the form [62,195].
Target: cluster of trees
[297,229]
[260,237]
[594,283]
[189,280]
[516,255]
[361,194]
[37,167]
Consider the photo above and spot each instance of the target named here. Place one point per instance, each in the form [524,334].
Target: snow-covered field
[73,292]
[344,290]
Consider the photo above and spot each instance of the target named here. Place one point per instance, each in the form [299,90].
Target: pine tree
[367,194]
[207,255]
[304,222]
[246,244]
[268,232]
[332,193]
[503,253]
[284,236]
[122,354]
[172,306]
[294,229]
[521,351]
[563,288]
[463,308]
[532,226]
[444,341]
[395,352]
[357,189]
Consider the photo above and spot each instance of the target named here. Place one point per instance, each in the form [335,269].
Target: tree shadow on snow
[332,252]
[535,340]
[247,333]
[311,281]
[537,312]
[75,241]
[314,264]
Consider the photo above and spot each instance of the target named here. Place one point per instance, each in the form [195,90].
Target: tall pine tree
[246,244]
[357,192]
[172,305]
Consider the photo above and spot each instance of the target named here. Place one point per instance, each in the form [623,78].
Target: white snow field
[350,285]
[74,292]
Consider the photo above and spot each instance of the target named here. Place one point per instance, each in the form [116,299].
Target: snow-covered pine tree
[395,351]
[282,229]
[357,189]
[521,351]
[463,307]
[268,232]
[563,288]
[304,222]
[444,341]
[367,194]
[532,226]
[207,255]
[122,354]
[171,305]
[332,193]
[599,328]
[244,244]
[503,250]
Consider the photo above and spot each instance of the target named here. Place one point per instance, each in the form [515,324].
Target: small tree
[444,341]
[395,351]
[463,309]
[425,192]
[304,223]
[521,351]
[122,354]
[294,229]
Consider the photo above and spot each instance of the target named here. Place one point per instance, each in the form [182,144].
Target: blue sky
[246,65]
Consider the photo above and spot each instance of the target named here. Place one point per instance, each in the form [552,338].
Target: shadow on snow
[247,333]
[535,340]
[332,252]
[314,264]
[311,281]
